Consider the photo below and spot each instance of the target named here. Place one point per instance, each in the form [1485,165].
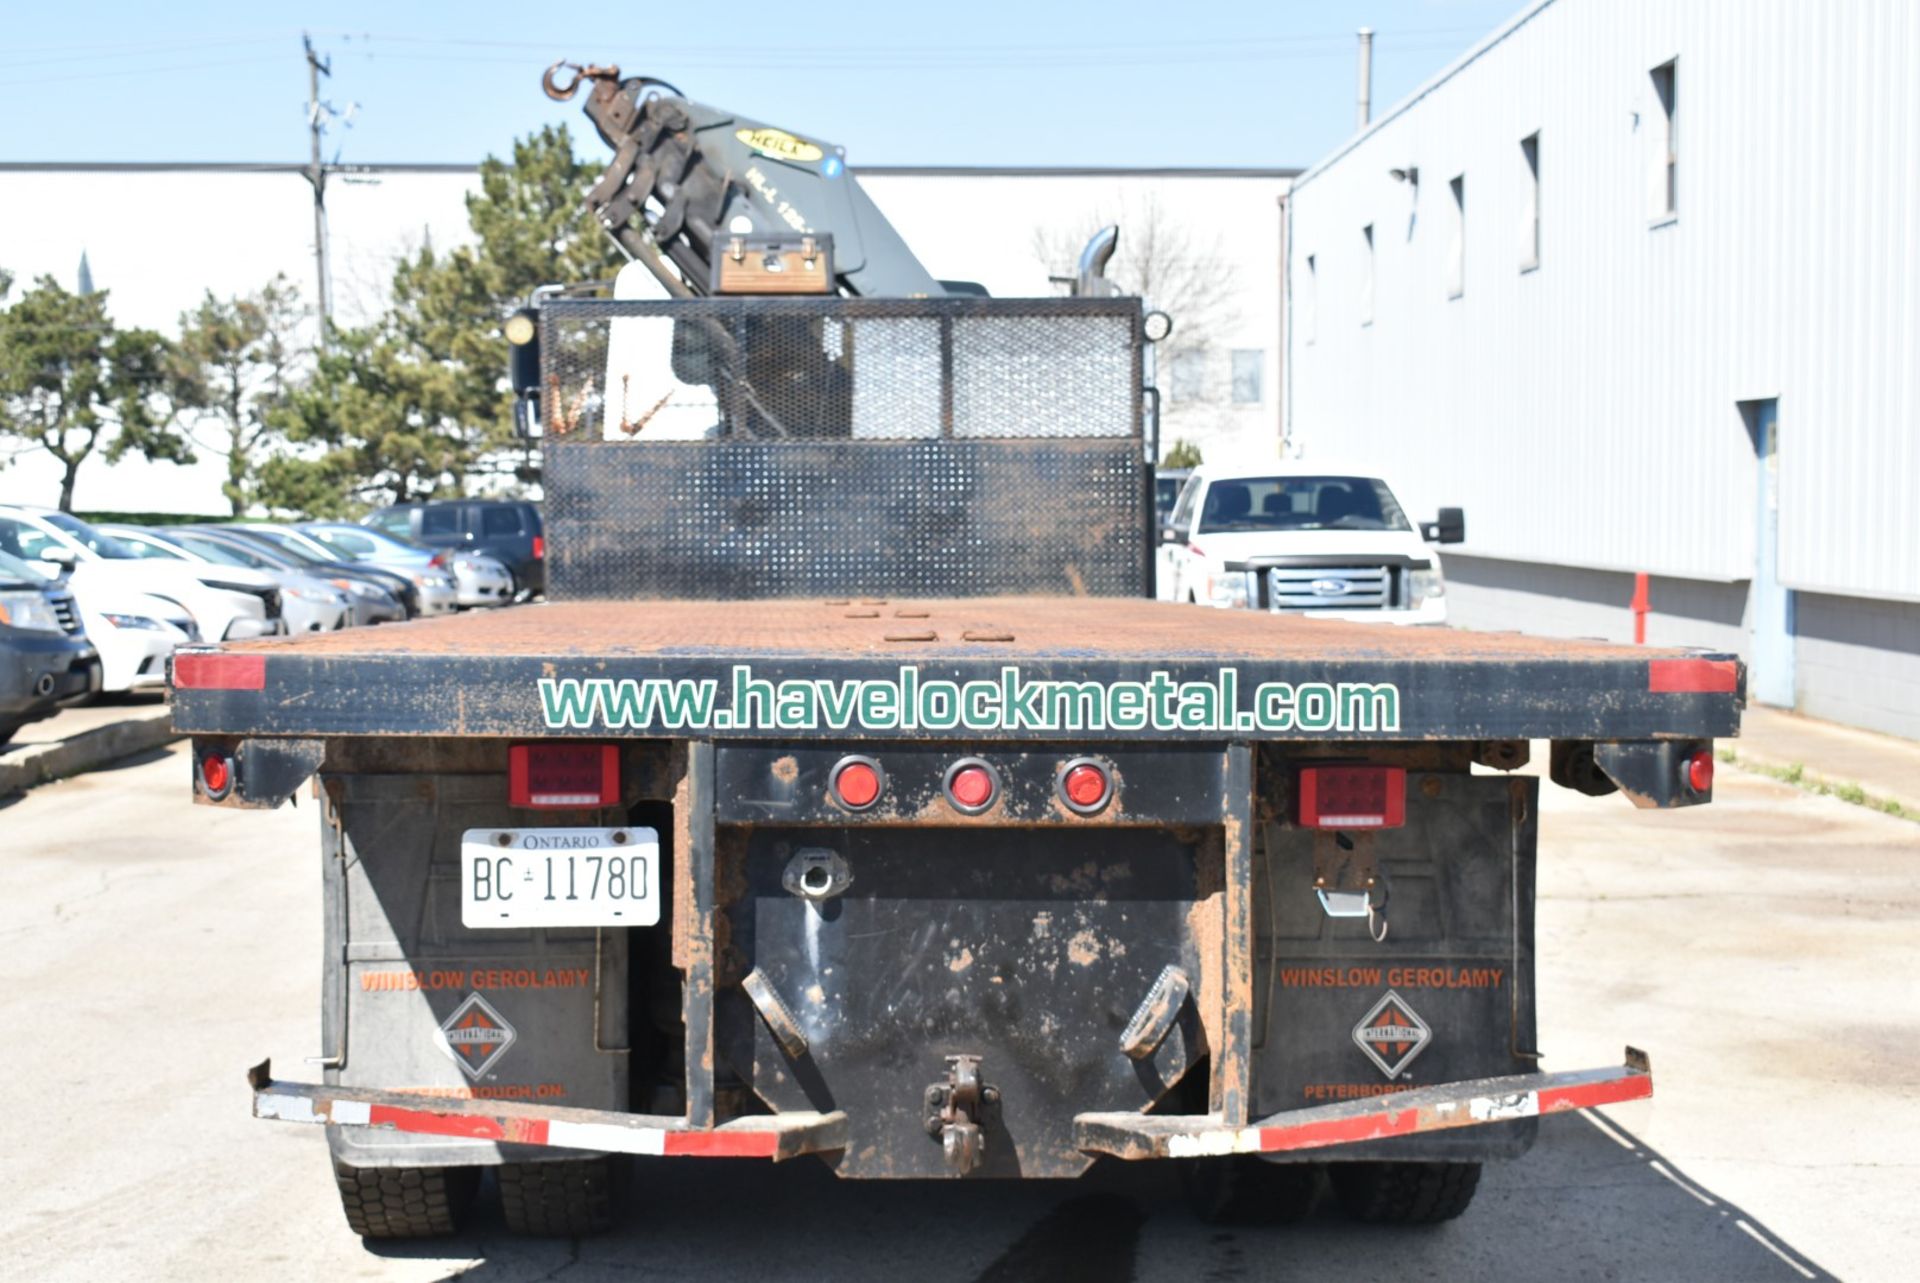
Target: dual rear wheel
[564,1198]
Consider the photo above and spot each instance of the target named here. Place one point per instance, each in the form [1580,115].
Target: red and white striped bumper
[1423,1109]
[771,1136]
[1120,1135]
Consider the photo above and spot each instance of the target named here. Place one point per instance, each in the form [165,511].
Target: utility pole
[1365,114]
[317,114]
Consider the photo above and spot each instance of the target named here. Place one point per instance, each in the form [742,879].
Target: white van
[1303,538]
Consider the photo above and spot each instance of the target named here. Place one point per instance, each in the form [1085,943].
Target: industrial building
[1637,285]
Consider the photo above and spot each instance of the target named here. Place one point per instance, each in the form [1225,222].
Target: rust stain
[682,866]
[1083,950]
[786,769]
[961,961]
[927,636]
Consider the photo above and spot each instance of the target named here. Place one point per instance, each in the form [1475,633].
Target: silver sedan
[478,580]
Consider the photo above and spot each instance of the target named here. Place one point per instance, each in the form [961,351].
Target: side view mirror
[62,557]
[1170,534]
[1449,527]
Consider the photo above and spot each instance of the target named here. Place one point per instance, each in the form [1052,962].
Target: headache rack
[746,448]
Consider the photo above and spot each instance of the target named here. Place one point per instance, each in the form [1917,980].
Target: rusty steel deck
[1026,668]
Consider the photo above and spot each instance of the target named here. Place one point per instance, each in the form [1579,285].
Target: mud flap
[415,1002]
[1445,996]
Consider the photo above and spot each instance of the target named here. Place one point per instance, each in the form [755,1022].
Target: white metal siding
[1586,413]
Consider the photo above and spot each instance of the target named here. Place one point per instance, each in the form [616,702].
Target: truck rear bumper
[1130,1136]
[773,1136]
[1424,1109]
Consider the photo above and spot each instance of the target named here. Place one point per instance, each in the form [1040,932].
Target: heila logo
[476,1035]
[1392,1034]
[779,144]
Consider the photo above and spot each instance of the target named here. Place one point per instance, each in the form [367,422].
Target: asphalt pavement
[1762,949]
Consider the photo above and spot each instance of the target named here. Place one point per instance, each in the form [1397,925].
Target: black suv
[45,657]
[508,530]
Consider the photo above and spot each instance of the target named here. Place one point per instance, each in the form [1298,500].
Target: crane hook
[560,93]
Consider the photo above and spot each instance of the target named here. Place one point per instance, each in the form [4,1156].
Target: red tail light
[1700,772]
[560,776]
[216,774]
[1085,786]
[439,561]
[539,547]
[1351,797]
[971,785]
[857,782]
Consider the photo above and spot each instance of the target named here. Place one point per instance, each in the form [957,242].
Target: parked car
[432,579]
[222,610]
[45,657]
[1302,538]
[478,579]
[412,596]
[307,604]
[508,530]
[376,595]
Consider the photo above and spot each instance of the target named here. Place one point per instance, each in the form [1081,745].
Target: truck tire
[1404,1193]
[1245,1190]
[404,1202]
[556,1199]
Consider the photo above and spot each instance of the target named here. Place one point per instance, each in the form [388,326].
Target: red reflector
[539,547]
[1700,772]
[561,775]
[1084,786]
[971,786]
[216,672]
[1352,797]
[216,773]
[857,784]
[1693,676]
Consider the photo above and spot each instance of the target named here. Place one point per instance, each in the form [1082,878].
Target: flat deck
[694,668]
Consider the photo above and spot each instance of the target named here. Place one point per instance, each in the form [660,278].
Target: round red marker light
[1085,786]
[1700,772]
[856,782]
[971,785]
[216,774]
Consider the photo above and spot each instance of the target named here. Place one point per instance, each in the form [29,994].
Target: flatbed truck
[851,798]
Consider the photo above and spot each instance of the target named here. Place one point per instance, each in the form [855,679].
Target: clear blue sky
[983,83]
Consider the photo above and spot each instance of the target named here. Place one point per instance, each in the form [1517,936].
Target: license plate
[560,877]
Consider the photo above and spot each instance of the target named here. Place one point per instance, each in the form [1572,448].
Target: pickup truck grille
[1329,587]
[66,612]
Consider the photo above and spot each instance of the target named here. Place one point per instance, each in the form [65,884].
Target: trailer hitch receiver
[956,1109]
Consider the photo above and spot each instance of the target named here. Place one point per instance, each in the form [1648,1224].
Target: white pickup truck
[1303,538]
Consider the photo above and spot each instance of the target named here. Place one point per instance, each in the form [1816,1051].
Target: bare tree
[239,358]
[1161,260]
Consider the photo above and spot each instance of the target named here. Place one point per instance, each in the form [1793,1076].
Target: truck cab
[1302,538]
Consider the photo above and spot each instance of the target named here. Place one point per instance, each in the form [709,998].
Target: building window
[1310,301]
[1249,364]
[1530,216]
[1457,251]
[1187,376]
[1663,181]
[1366,275]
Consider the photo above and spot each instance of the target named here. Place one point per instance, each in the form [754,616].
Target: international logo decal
[477,1035]
[1392,1034]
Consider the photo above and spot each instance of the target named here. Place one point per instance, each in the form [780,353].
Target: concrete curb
[1742,756]
[36,764]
